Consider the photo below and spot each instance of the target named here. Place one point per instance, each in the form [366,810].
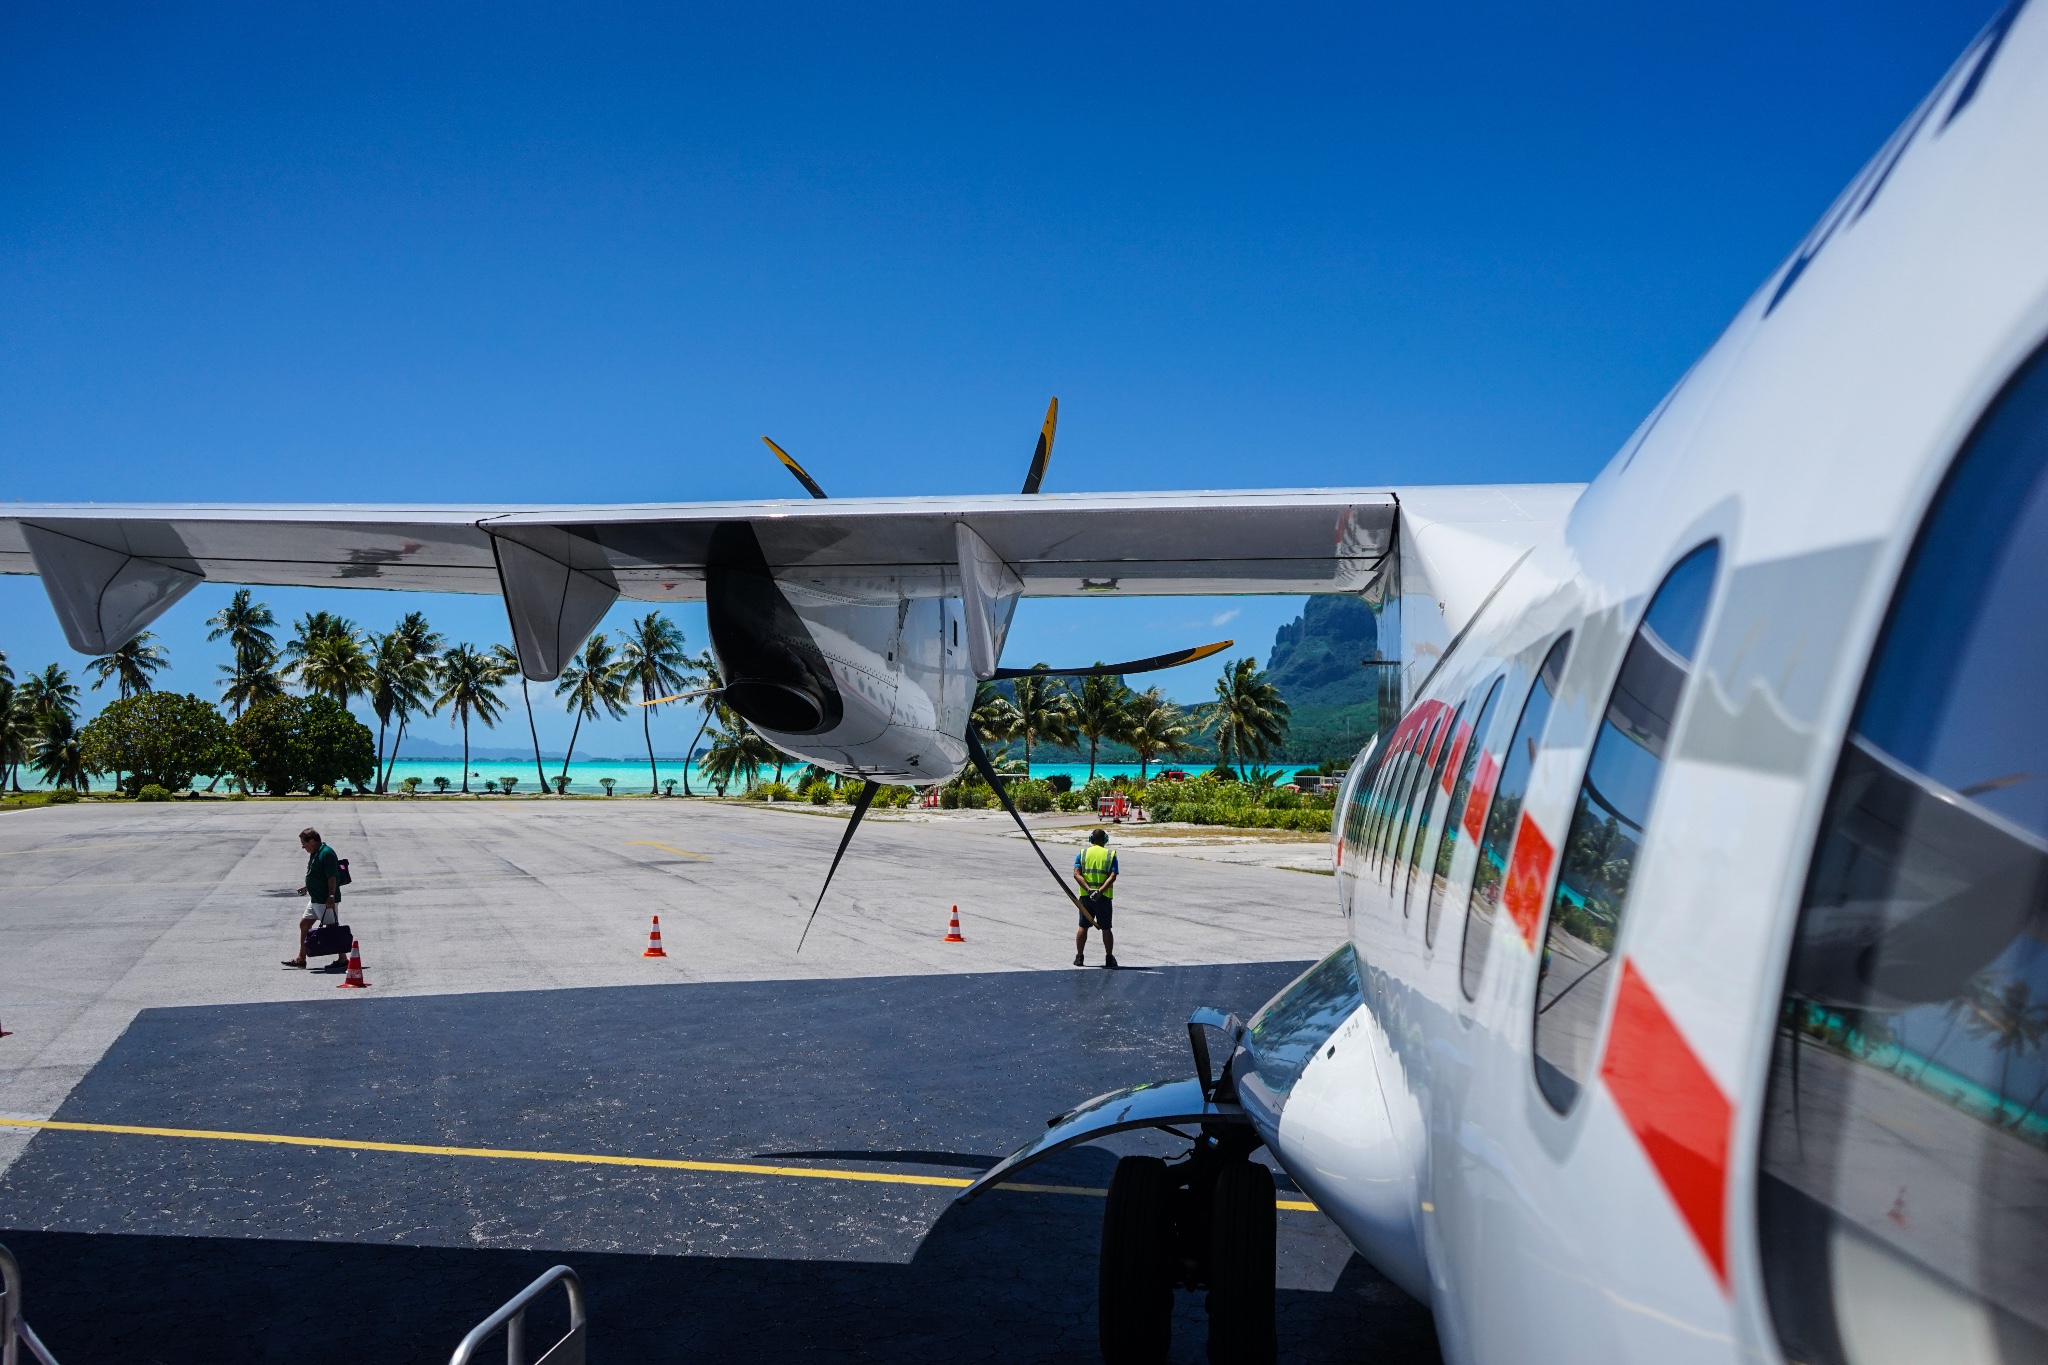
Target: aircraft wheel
[1241,1267]
[1134,1305]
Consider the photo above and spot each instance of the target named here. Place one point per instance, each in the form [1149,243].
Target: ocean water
[634,778]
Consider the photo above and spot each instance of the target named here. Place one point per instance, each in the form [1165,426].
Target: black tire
[1241,1267]
[1134,1302]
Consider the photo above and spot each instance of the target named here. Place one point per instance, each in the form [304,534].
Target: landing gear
[1241,1267]
[1206,1222]
[1139,1263]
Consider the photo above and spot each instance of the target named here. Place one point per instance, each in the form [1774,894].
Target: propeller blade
[988,775]
[793,467]
[1042,456]
[860,808]
[682,696]
[1157,661]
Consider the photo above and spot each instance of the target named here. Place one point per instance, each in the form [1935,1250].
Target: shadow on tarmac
[971,1293]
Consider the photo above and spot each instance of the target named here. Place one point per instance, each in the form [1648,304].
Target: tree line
[288,726]
[275,738]
[1248,718]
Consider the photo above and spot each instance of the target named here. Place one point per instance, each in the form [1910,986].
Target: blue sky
[559,254]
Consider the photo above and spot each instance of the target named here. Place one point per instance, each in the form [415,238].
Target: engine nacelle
[868,678]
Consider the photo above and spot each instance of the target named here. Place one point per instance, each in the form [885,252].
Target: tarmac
[742,1149]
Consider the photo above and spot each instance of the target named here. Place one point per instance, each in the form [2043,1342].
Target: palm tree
[401,682]
[712,703]
[51,697]
[334,665]
[17,732]
[421,645]
[469,680]
[2011,1020]
[1249,716]
[245,625]
[308,631]
[252,679]
[653,657]
[60,758]
[737,754]
[1155,726]
[593,682]
[508,659]
[132,665]
[1045,712]
[995,719]
[1099,710]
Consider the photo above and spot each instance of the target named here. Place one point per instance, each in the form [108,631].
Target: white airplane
[1696,987]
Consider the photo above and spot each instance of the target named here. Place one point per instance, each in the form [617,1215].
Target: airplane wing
[112,569]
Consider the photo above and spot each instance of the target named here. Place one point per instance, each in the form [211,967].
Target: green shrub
[820,794]
[163,739]
[291,744]
[236,796]
[63,796]
[152,791]
[409,786]
[440,784]
[895,796]
[1070,801]
[1031,797]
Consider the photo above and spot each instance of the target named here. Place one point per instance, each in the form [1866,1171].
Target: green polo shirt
[323,870]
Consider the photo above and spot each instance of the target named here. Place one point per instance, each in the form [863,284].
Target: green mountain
[1318,665]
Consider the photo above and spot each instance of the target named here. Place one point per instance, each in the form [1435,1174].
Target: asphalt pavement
[744,1152]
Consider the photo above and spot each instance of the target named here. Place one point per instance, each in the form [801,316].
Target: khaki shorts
[320,914]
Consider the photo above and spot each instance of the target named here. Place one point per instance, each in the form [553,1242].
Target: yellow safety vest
[1095,868]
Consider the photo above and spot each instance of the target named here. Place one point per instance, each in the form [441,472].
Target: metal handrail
[512,1317]
[15,1333]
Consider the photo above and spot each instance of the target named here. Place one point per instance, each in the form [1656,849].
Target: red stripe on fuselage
[1676,1111]
[1528,874]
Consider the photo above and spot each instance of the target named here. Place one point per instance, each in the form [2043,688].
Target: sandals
[300,964]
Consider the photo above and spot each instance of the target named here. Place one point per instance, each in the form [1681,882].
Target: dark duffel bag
[323,939]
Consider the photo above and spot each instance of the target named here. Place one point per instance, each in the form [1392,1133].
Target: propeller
[1157,661]
[860,808]
[1042,456]
[793,467]
[987,770]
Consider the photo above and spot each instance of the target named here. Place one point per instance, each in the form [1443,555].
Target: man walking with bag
[323,903]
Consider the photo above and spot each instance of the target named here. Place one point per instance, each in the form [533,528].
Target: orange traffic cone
[953,934]
[654,940]
[355,968]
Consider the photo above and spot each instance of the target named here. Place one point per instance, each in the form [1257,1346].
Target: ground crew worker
[1095,870]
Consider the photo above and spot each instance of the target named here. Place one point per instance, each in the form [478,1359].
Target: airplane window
[1903,1205]
[1287,1032]
[1501,817]
[1456,815]
[1390,779]
[1418,772]
[1607,827]
[1361,797]
[1432,790]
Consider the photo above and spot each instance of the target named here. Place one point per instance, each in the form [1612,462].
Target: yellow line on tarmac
[568,1158]
[668,848]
